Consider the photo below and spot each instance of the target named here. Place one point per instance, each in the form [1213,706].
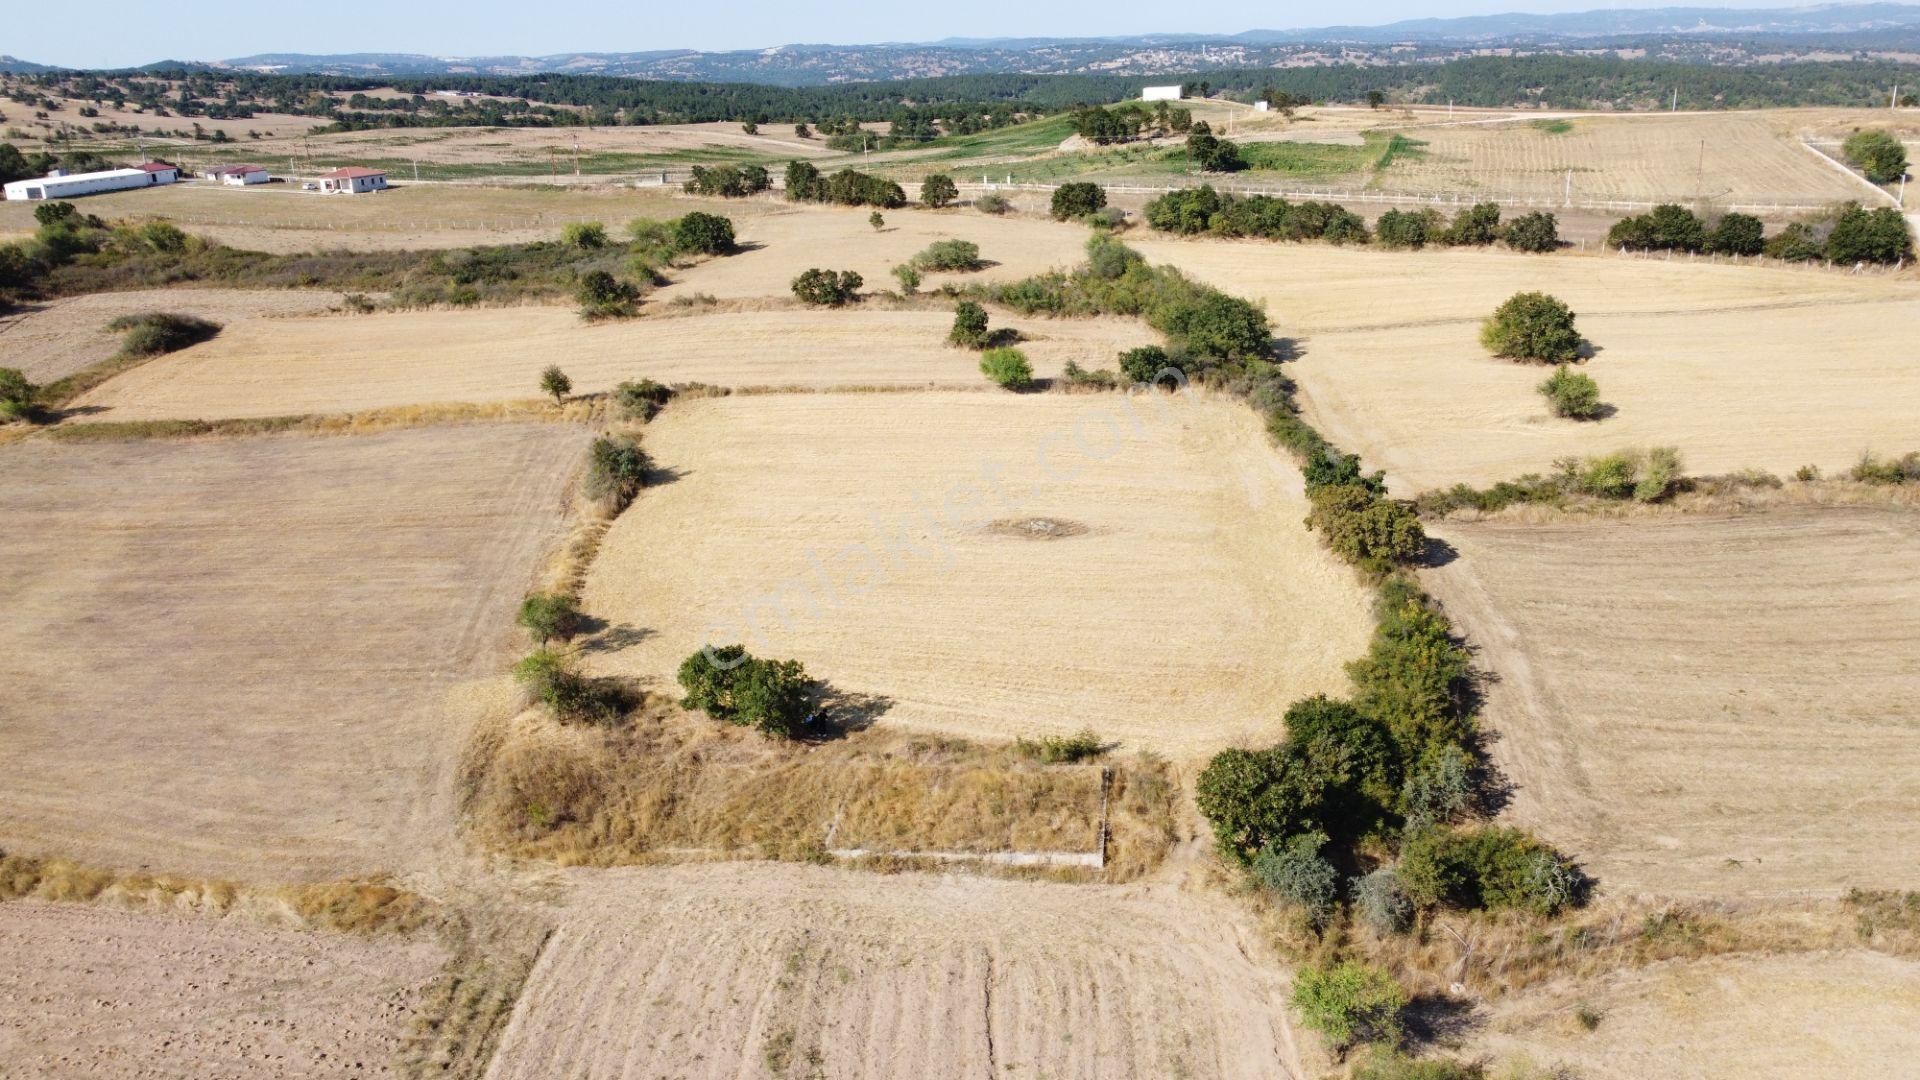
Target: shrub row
[805,183]
[1850,235]
[1203,210]
[1639,475]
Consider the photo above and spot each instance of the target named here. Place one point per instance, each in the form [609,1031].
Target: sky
[121,33]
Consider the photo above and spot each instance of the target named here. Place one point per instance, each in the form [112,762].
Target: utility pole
[1567,199]
[1676,100]
[1700,173]
[576,155]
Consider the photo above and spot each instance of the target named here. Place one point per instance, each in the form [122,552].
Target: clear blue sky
[114,33]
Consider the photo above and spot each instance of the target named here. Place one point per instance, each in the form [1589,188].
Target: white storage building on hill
[1160,93]
[57,185]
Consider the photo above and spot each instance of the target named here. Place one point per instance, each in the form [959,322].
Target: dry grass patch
[90,990]
[1705,705]
[287,366]
[256,637]
[758,970]
[855,533]
[670,786]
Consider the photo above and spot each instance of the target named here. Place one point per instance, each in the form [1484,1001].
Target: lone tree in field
[908,277]
[555,382]
[969,326]
[703,234]
[733,686]
[550,615]
[938,191]
[827,288]
[1572,394]
[1077,200]
[1877,154]
[1532,326]
[877,220]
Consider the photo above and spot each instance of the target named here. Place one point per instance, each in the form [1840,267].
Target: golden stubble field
[51,339]
[337,364]
[1705,706]
[1738,366]
[991,565]
[232,658]
[94,991]
[755,970]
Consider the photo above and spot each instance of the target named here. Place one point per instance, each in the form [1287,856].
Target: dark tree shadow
[839,713]
[1434,1021]
[1288,349]
[601,637]
[741,247]
[1438,553]
[1602,411]
[1587,350]
[662,475]
[1002,337]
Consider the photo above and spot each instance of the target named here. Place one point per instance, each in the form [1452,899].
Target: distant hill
[1710,35]
[13,65]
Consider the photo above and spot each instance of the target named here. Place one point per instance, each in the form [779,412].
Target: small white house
[238,175]
[59,185]
[1261,106]
[352,180]
[1161,93]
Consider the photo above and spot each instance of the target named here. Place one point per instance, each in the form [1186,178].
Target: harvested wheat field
[990,564]
[1315,289]
[1852,1014]
[51,340]
[781,244]
[751,970]
[1772,390]
[1741,720]
[256,637]
[1741,159]
[371,361]
[407,216]
[91,991]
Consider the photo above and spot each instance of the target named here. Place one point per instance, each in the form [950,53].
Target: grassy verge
[578,410]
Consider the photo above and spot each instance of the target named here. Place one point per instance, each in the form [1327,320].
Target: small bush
[1572,394]
[992,203]
[160,332]
[827,288]
[969,326]
[703,234]
[1876,470]
[550,615]
[877,220]
[554,381]
[1440,789]
[1110,218]
[603,296]
[1537,232]
[16,394]
[1077,200]
[551,679]
[584,235]
[734,687]
[616,470]
[642,400]
[1381,904]
[908,277]
[949,255]
[1349,1003]
[1007,367]
[1532,326]
[1100,379]
[1392,1065]
[1146,364]
[1061,749]
[1877,154]
[1488,867]
[1294,871]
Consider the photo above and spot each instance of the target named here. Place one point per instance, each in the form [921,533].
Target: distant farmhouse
[1160,93]
[237,175]
[352,180]
[60,185]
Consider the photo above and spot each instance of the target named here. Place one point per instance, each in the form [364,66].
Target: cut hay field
[283,366]
[1740,367]
[791,970]
[1853,1014]
[54,339]
[93,991]
[1705,705]
[1177,605]
[280,218]
[1736,158]
[230,658]
[783,243]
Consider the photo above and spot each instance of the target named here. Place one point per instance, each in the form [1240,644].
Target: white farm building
[352,180]
[238,175]
[59,185]
[1160,93]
